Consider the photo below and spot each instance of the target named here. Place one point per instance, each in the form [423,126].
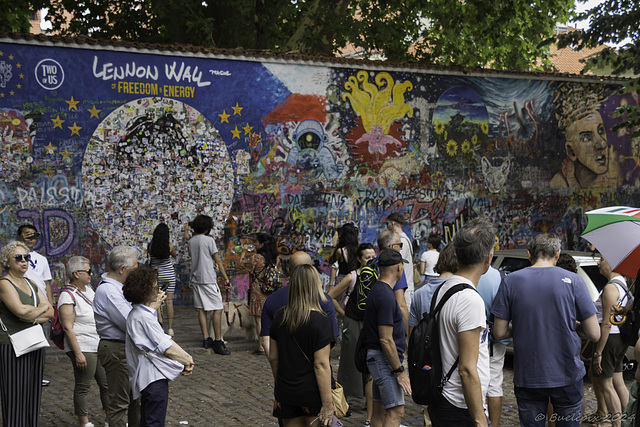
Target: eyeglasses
[399,245]
[33,236]
[22,257]
[89,272]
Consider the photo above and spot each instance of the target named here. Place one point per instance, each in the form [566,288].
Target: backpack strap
[453,290]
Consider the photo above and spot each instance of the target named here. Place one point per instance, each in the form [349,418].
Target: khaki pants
[113,358]
[83,378]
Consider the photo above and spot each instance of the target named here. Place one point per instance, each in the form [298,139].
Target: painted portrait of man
[590,162]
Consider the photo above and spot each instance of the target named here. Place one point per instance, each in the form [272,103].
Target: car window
[509,265]
[594,274]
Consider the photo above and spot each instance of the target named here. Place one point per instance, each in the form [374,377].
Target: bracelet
[597,354]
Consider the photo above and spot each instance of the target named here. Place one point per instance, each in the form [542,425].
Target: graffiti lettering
[110,72]
[50,233]
[185,74]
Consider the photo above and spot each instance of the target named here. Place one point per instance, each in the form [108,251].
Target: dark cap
[390,257]
[397,217]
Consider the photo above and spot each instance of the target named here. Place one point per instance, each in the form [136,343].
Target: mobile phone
[164,286]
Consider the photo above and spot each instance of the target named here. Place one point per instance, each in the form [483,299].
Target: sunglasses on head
[22,257]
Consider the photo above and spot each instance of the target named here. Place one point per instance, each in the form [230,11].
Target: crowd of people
[116,336]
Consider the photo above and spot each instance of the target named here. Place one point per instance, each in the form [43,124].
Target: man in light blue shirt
[488,288]
[111,311]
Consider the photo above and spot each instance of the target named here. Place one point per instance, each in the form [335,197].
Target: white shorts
[496,363]
[207,296]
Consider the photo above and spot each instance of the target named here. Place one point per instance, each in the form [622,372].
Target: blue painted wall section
[100,145]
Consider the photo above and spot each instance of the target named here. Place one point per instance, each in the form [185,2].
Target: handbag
[29,339]
[340,405]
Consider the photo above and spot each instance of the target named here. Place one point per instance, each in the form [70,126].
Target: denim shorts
[385,385]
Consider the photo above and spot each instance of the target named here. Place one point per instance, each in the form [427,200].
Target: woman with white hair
[22,305]
[75,308]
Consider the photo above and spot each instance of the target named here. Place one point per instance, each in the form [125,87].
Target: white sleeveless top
[623,298]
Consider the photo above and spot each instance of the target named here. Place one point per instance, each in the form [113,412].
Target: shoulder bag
[340,405]
[29,339]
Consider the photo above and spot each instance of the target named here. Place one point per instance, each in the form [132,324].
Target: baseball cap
[390,257]
[397,217]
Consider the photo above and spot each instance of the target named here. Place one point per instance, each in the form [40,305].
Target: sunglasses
[21,257]
[33,236]
[89,272]
[398,245]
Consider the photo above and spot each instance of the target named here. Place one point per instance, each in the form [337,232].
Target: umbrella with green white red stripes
[615,232]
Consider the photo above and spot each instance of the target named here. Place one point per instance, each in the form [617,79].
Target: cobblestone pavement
[233,390]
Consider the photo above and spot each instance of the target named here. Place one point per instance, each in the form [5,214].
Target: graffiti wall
[100,144]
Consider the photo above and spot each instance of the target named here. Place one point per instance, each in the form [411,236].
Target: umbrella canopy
[615,232]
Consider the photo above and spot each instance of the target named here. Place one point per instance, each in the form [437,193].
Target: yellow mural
[378,104]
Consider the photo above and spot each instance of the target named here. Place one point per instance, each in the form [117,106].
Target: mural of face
[587,143]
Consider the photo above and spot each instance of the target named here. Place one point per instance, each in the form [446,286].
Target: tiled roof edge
[280,57]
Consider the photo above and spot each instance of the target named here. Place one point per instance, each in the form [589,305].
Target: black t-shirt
[382,309]
[296,379]
[351,309]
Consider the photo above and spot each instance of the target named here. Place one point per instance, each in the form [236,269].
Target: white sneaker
[89,425]
[170,332]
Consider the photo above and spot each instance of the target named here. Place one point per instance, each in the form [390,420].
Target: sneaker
[208,343]
[220,348]
[45,383]
[89,425]
[367,424]
[170,332]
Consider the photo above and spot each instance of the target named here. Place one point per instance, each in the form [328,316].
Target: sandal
[258,352]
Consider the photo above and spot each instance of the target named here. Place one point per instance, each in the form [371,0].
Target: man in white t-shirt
[38,270]
[463,332]
[394,222]
[207,295]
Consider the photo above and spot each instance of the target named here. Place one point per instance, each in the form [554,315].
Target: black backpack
[369,275]
[424,355]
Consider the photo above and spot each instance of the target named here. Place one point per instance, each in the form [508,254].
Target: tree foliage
[14,15]
[614,22]
[470,33]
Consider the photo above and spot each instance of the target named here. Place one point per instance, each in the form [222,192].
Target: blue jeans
[385,385]
[566,401]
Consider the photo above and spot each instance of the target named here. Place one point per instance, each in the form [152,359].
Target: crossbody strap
[78,292]
[434,311]
[304,354]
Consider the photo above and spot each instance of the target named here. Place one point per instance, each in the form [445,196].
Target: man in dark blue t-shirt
[548,307]
[386,342]
[280,298]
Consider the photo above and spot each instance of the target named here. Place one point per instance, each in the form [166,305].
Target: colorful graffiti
[100,145]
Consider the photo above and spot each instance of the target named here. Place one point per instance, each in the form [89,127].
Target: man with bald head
[280,298]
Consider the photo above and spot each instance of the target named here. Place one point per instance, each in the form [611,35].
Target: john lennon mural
[98,146]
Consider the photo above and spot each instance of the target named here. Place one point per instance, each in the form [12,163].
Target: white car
[587,262]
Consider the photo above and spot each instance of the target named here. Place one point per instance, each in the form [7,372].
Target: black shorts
[285,411]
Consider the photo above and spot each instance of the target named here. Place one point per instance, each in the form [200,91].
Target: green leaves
[501,34]
[614,22]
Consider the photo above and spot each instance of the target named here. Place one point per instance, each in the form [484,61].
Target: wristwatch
[397,371]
